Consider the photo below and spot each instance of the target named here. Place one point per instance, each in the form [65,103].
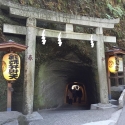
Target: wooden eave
[12,46]
[115,52]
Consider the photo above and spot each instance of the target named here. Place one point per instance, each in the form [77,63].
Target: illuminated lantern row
[113,64]
[11,66]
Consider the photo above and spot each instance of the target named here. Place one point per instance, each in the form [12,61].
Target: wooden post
[9,98]
[108,78]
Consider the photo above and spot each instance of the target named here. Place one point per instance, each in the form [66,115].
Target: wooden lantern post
[11,65]
[114,59]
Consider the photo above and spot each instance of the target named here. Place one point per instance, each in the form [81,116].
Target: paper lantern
[113,64]
[11,66]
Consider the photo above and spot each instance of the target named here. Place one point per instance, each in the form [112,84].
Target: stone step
[113,101]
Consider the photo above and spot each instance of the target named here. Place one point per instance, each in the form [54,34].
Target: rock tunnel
[65,67]
[57,68]
[53,80]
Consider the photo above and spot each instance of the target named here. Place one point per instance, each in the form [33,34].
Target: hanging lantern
[113,64]
[11,66]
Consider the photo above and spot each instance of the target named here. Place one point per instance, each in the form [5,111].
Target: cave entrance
[75,94]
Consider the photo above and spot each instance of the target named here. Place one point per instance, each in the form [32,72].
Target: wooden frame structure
[11,46]
[114,52]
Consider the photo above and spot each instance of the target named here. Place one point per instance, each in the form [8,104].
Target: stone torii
[32,15]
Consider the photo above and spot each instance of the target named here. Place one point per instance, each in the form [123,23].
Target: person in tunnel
[74,92]
[69,96]
[79,94]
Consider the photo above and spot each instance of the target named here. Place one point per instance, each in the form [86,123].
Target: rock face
[17,118]
[9,118]
[122,99]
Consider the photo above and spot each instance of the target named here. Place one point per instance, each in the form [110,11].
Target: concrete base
[29,119]
[34,116]
[102,106]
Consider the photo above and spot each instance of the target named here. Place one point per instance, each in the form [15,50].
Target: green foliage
[108,16]
[116,11]
[31,2]
[119,1]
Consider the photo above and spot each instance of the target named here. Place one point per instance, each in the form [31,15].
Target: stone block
[116,91]
[113,101]
[9,118]
[121,100]
[102,106]
[29,119]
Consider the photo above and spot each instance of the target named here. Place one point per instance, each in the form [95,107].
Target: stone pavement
[78,117]
[62,116]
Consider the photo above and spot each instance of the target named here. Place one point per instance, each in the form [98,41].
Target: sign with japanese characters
[11,66]
[120,65]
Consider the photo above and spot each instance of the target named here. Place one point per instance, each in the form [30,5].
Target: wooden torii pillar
[31,31]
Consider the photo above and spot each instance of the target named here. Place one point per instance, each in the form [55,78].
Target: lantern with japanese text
[11,66]
[113,64]
[115,68]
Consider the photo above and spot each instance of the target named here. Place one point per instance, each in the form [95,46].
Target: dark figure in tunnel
[74,92]
[79,94]
[69,96]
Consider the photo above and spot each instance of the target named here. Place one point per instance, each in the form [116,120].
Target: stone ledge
[102,106]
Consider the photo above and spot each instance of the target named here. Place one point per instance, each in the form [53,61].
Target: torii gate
[31,31]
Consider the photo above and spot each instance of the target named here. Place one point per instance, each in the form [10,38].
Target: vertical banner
[120,65]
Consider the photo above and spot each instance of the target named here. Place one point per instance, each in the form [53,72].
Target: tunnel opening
[57,68]
[76,94]
[86,80]
[56,77]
